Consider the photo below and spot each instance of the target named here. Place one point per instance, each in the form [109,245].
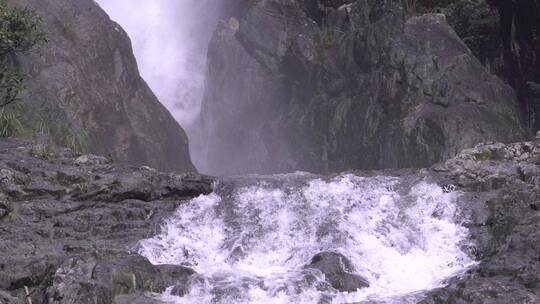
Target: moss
[324,39]
[483,156]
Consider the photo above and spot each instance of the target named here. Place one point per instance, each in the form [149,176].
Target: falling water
[170,38]
[250,242]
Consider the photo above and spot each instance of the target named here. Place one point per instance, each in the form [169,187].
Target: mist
[170,40]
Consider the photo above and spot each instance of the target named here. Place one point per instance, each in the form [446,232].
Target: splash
[250,243]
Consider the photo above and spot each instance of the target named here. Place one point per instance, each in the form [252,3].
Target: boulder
[338,271]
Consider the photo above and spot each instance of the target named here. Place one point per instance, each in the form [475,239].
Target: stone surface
[85,89]
[69,229]
[337,85]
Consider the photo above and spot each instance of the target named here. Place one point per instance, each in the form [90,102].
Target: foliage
[409,5]
[78,140]
[10,124]
[20,32]
[324,39]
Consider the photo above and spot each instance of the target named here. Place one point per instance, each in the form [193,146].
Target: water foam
[250,244]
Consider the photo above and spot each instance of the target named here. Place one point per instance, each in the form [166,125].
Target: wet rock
[103,279]
[175,274]
[483,291]
[180,277]
[338,271]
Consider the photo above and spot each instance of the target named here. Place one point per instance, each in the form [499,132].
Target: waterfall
[249,242]
[170,39]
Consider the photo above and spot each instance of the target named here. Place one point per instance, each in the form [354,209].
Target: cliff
[335,85]
[84,90]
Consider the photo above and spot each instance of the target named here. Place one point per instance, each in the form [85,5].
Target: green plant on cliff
[10,124]
[20,32]
[77,139]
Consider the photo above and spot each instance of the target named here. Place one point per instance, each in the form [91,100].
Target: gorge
[266,151]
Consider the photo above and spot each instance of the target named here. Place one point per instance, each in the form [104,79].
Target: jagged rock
[338,271]
[358,86]
[70,229]
[85,87]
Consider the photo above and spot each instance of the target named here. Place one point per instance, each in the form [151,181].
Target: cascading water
[249,243]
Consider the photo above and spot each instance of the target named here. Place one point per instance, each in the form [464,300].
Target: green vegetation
[76,139]
[324,38]
[9,123]
[20,32]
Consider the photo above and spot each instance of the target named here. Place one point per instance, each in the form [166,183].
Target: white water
[250,244]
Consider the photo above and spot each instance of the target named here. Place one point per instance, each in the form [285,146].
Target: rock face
[69,225]
[84,88]
[338,271]
[502,193]
[334,85]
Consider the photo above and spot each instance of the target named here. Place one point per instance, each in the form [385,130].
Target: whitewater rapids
[250,241]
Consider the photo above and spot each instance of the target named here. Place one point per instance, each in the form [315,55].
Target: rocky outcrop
[334,85]
[84,89]
[69,226]
[502,194]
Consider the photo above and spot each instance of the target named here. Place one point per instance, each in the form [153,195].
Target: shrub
[20,32]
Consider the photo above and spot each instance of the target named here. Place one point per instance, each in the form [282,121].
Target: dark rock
[85,87]
[319,86]
[338,271]
[180,277]
[483,291]
[181,290]
[175,274]
[5,210]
